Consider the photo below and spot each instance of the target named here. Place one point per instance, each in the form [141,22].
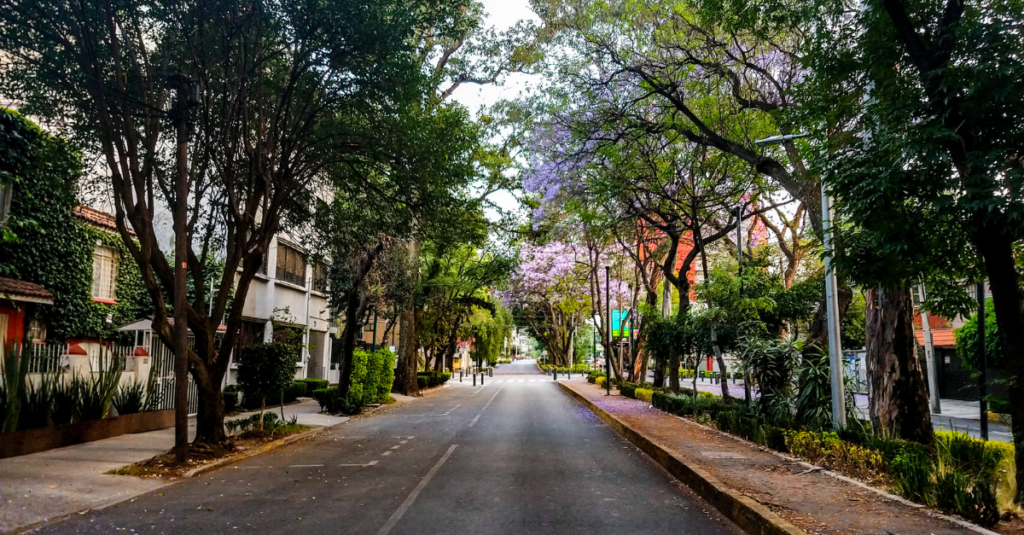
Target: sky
[502,14]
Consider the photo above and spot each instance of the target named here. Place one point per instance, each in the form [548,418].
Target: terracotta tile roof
[97,218]
[940,337]
[13,289]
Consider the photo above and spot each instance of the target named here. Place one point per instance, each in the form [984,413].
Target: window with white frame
[104,273]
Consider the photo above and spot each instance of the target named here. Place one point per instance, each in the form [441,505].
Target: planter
[29,441]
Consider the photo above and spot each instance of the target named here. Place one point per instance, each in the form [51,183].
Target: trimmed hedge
[432,379]
[326,397]
[966,476]
[371,380]
[315,384]
[230,398]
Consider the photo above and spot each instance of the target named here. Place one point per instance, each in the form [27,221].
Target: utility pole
[831,297]
[183,100]
[374,344]
[929,356]
[835,347]
[608,315]
[982,360]
[739,273]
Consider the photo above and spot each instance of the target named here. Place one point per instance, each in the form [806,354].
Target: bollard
[482,379]
[460,375]
[490,372]
[474,379]
[556,373]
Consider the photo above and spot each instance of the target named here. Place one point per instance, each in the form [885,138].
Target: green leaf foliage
[53,248]
[266,368]
[967,340]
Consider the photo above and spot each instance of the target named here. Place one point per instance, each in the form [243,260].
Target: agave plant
[67,398]
[771,363]
[130,398]
[36,403]
[14,370]
[98,391]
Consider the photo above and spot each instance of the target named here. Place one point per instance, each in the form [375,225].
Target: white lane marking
[457,405]
[386,453]
[371,463]
[410,438]
[403,442]
[395,447]
[415,492]
[471,424]
[305,465]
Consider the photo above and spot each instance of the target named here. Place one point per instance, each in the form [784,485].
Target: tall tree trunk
[673,370]
[180,298]
[817,331]
[405,372]
[354,308]
[898,399]
[666,312]
[1007,301]
[210,416]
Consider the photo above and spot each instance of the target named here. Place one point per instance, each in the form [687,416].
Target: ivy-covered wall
[46,244]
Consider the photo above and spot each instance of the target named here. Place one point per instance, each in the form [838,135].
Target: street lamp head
[775,140]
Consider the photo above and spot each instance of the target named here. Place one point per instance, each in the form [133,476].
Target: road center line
[485,407]
[415,492]
[305,466]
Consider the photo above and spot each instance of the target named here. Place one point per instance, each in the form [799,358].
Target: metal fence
[54,357]
[47,358]
[163,370]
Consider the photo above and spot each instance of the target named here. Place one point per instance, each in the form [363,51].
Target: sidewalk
[730,472]
[52,484]
[957,415]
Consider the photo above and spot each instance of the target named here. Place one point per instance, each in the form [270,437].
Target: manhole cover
[722,455]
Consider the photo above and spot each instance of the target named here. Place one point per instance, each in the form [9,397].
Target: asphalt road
[513,456]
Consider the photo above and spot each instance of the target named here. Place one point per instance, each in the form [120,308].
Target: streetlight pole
[831,297]
[608,314]
[374,344]
[739,273]
[982,360]
[832,300]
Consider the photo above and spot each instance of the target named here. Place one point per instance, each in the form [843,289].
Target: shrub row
[314,384]
[635,391]
[432,378]
[592,376]
[578,368]
[290,393]
[370,382]
[965,476]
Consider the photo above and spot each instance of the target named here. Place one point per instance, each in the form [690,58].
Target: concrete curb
[255,451]
[749,515]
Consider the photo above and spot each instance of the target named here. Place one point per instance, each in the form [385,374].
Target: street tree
[226,113]
[929,182]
